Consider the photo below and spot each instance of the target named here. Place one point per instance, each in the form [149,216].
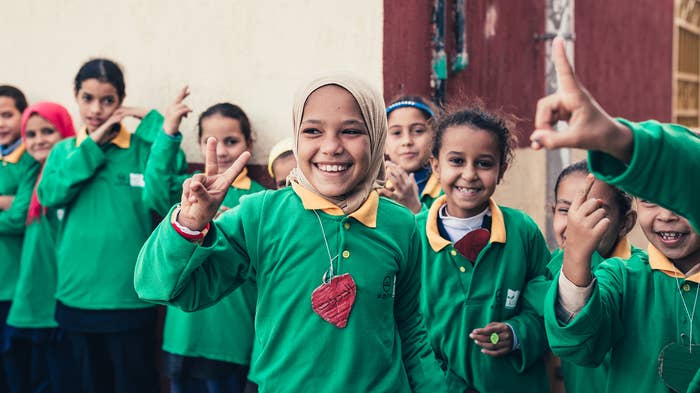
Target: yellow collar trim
[437,242]
[658,261]
[623,249]
[432,187]
[366,214]
[242,182]
[122,140]
[14,157]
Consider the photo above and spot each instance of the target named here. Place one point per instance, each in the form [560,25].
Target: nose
[666,215]
[469,172]
[406,139]
[95,107]
[331,144]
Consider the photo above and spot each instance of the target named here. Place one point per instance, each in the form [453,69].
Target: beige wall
[252,53]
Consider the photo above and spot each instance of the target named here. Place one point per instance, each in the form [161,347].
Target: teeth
[332,168]
[467,190]
[670,235]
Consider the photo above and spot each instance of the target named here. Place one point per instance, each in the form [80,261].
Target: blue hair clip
[411,104]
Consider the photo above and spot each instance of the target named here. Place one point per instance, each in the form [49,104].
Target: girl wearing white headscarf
[338,275]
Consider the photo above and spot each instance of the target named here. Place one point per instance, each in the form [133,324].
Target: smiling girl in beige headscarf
[337,267]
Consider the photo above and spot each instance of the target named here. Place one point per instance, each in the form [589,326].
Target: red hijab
[60,118]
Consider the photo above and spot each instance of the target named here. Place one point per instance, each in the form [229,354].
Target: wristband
[186,232]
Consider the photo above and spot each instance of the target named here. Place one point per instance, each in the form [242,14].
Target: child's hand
[589,127]
[495,339]
[132,111]
[109,129]
[203,193]
[176,112]
[404,189]
[585,225]
[6,201]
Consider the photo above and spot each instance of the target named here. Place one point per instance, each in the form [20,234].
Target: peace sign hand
[203,193]
[176,112]
[590,127]
[586,224]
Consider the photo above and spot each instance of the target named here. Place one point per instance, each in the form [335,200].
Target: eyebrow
[345,123]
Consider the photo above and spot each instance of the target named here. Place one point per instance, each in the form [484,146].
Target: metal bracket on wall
[551,36]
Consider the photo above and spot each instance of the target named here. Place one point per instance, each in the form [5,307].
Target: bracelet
[185,232]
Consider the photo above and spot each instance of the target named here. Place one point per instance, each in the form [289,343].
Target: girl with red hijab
[36,353]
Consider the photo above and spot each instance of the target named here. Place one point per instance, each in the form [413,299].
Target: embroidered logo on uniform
[136,180]
[388,287]
[512,298]
[60,213]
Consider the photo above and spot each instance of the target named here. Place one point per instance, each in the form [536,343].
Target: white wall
[253,53]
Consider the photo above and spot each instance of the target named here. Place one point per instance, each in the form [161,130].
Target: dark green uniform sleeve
[694,386]
[171,270]
[422,367]
[663,169]
[589,336]
[528,325]
[66,170]
[164,173]
[12,220]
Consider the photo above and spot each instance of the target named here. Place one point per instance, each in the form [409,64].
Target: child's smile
[671,234]
[333,147]
[468,168]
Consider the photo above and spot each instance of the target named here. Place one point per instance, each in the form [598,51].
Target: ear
[628,222]
[249,144]
[434,165]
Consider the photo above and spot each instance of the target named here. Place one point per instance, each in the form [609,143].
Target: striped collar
[437,242]
[14,157]
[366,214]
[122,140]
[658,261]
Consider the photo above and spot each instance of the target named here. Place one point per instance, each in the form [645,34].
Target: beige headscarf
[371,105]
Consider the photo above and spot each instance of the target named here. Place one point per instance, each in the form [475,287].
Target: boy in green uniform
[641,310]
[17,175]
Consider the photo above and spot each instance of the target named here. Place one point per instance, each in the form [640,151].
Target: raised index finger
[235,169]
[211,164]
[582,195]
[565,73]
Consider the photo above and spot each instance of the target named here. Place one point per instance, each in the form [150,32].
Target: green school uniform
[223,331]
[579,379]
[274,238]
[458,296]
[431,192]
[33,304]
[635,308]
[105,223]
[18,171]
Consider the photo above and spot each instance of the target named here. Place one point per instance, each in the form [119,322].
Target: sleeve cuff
[571,298]
[516,341]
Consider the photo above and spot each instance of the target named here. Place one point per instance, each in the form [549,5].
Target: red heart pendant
[472,243]
[333,301]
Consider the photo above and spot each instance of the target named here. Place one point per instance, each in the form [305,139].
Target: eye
[353,131]
[47,131]
[311,131]
[30,134]
[6,115]
[485,164]
[395,132]
[86,97]
[456,161]
[108,100]
[230,141]
[646,203]
[563,211]
[419,130]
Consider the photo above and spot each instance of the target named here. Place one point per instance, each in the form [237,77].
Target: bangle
[185,232]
